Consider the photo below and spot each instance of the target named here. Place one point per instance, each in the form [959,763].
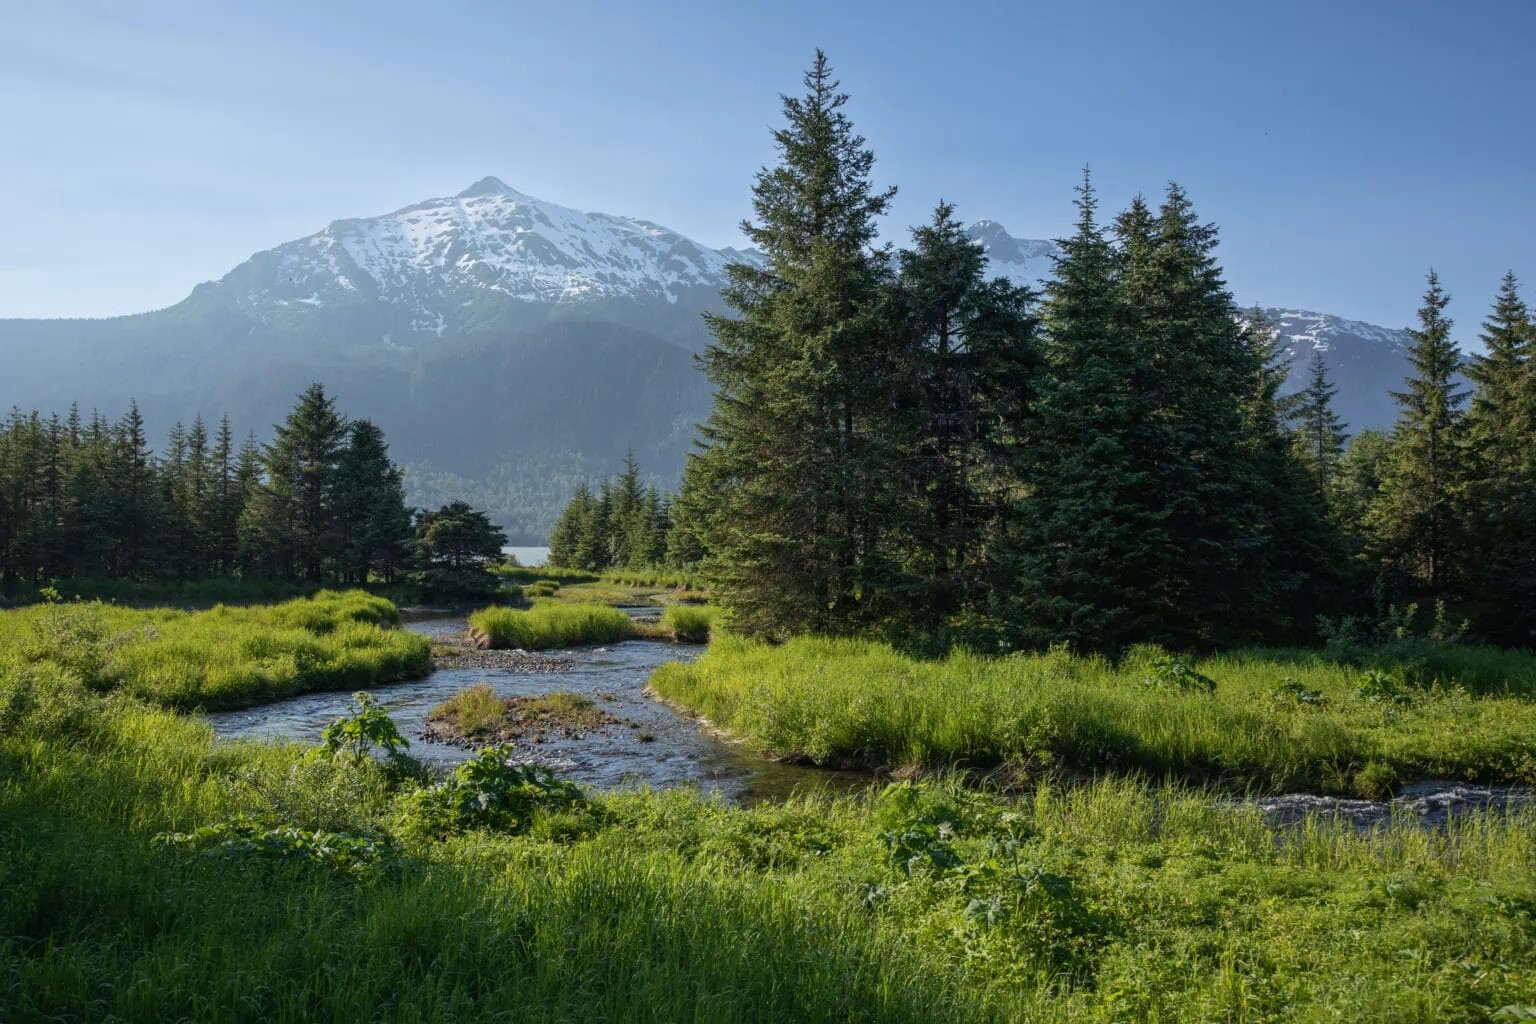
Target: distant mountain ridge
[510,347]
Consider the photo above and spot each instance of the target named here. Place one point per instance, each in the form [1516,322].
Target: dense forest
[902,446]
[84,499]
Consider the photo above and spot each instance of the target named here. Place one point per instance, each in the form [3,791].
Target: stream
[651,745]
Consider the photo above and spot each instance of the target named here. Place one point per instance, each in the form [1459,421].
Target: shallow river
[654,746]
[651,744]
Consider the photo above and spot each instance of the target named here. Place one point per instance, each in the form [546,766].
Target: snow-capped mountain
[454,265]
[510,347]
[1020,260]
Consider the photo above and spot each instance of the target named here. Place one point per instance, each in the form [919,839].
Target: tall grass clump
[1247,719]
[224,657]
[550,625]
[688,623]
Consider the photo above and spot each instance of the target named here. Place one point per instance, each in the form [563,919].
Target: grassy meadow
[225,657]
[1262,720]
[152,873]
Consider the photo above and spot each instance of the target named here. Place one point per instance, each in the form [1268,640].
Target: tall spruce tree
[799,437]
[291,519]
[1500,497]
[1081,550]
[973,363]
[1318,433]
[566,536]
[1413,520]
[373,524]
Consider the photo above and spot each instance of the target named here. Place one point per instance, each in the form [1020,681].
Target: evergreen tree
[972,362]
[800,435]
[1500,497]
[685,542]
[1081,548]
[134,508]
[566,537]
[1307,552]
[454,545]
[291,517]
[373,522]
[1413,520]
[1358,481]
[1318,434]
[226,502]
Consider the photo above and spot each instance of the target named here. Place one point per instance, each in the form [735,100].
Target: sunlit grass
[550,624]
[850,702]
[1113,901]
[223,657]
[688,623]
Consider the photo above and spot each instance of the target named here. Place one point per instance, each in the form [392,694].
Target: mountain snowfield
[510,347]
[436,259]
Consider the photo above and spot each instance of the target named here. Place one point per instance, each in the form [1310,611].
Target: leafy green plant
[1290,690]
[1167,671]
[367,729]
[491,792]
[1381,688]
[243,839]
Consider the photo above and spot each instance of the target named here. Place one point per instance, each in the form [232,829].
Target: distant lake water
[528,556]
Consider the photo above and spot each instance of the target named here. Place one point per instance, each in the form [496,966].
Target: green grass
[549,624]
[666,579]
[1109,902]
[536,573]
[863,704]
[688,623]
[473,711]
[476,713]
[225,657]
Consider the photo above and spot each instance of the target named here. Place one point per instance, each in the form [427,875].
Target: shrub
[367,729]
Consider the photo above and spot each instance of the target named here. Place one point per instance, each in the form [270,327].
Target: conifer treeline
[321,503]
[901,446]
[623,525]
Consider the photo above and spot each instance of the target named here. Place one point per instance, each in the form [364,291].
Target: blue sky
[1342,147]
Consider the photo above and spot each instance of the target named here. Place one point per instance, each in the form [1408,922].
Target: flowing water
[651,744]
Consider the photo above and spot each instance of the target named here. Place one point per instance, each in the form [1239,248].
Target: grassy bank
[688,623]
[1269,720]
[222,658]
[310,886]
[549,625]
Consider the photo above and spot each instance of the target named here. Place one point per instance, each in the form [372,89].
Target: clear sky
[1343,147]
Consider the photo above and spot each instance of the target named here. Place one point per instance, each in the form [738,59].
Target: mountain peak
[489,186]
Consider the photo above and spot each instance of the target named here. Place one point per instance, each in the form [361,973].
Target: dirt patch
[474,718]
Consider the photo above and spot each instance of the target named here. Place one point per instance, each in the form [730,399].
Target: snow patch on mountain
[432,258]
[1024,261]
